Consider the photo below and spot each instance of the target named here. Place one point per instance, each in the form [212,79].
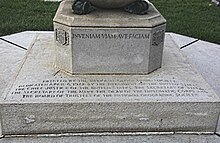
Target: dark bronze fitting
[82,7]
[137,7]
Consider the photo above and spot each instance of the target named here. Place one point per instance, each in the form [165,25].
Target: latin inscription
[110,36]
[108,88]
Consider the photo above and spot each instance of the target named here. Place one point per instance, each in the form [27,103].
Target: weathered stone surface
[181,40]
[218,127]
[42,100]
[98,50]
[11,57]
[118,139]
[24,39]
[1,135]
[114,44]
[205,57]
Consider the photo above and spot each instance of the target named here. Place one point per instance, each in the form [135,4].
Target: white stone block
[108,41]
[218,127]
[44,100]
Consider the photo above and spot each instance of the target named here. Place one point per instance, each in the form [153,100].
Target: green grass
[21,15]
[193,18]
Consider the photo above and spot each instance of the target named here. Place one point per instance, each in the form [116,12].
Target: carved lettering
[108,88]
[110,36]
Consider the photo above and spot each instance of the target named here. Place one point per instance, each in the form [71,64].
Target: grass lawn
[21,15]
[193,18]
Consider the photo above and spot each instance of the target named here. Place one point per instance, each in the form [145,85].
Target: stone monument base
[43,99]
[108,41]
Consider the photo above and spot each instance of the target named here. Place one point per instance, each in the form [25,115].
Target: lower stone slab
[44,100]
[117,139]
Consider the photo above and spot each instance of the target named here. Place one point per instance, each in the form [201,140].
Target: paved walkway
[203,55]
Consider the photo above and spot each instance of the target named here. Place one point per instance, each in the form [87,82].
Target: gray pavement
[117,139]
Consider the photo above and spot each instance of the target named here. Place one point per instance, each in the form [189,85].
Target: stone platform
[24,40]
[41,99]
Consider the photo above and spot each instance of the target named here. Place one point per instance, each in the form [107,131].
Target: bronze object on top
[81,7]
[111,3]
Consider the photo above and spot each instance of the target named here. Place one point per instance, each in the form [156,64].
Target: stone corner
[1,135]
[218,127]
